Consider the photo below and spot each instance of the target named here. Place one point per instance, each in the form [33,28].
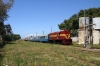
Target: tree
[4,8]
[8,36]
[8,29]
[16,37]
[70,24]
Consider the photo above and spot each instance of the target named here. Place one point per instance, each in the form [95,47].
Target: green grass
[94,46]
[25,53]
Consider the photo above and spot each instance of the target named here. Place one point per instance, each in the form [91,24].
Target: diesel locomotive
[60,37]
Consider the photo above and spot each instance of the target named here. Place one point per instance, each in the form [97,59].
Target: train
[60,37]
[26,39]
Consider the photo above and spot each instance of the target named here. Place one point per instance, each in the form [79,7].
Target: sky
[35,16]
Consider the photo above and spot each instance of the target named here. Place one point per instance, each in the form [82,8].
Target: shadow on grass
[10,43]
[60,44]
[1,57]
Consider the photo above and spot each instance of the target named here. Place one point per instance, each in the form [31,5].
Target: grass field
[25,53]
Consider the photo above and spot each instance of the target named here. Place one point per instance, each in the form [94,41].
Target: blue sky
[31,16]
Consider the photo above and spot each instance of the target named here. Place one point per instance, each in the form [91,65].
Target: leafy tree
[8,36]
[5,6]
[16,37]
[8,29]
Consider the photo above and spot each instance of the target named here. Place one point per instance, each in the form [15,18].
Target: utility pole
[84,31]
[65,26]
[87,45]
[87,36]
[43,32]
[51,29]
[36,34]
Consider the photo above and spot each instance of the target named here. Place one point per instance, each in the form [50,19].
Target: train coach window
[42,36]
[46,36]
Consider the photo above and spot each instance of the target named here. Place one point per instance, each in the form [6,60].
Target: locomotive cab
[62,36]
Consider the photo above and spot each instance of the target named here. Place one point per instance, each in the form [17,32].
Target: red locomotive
[60,37]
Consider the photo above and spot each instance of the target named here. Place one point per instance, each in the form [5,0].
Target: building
[83,21]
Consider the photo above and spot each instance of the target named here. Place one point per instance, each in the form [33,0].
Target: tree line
[72,23]
[6,33]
